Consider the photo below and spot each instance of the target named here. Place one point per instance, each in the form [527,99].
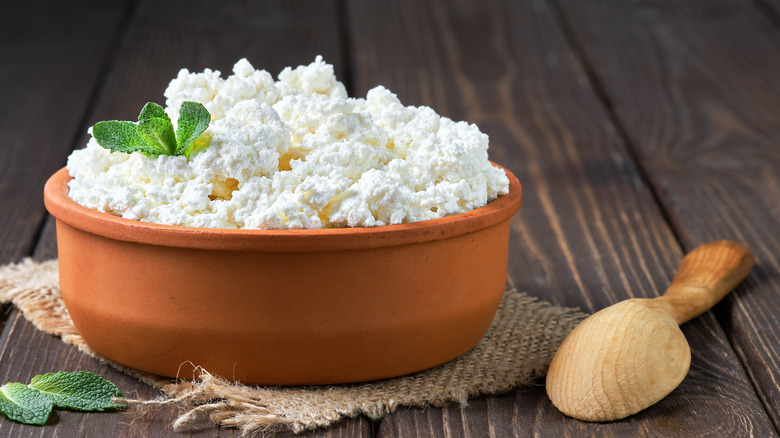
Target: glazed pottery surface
[282,307]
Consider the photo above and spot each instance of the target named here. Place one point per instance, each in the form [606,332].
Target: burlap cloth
[516,351]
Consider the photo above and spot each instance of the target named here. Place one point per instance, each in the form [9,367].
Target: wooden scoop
[630,355]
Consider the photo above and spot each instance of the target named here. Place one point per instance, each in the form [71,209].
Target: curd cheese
[294,153]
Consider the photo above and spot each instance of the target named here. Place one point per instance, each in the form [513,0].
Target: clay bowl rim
[64,209]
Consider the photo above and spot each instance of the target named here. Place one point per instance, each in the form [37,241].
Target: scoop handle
[705,276]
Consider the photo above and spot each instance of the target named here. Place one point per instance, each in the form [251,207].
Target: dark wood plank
[162,37]
[52,56]
[770,8]
[51,60]
[166,37]
[589,232]
[695,89]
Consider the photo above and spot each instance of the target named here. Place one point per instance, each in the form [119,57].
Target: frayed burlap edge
[515,352]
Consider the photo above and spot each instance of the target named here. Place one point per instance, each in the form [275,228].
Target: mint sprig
[82,391]
[153,135]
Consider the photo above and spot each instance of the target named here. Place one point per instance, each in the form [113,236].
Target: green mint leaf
[119,136]
[158,133]
[154,135]
[152,111]
[26,405]
[194,118]
[81,390]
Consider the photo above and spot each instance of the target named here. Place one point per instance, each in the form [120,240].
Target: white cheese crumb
[295,153]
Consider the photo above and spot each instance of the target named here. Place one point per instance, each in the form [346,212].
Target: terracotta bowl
[281,307]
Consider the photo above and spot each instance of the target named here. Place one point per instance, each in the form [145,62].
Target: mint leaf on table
[24,404]
[193,121]
[81,390]
[153,135]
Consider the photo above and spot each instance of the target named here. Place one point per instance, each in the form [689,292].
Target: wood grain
[706,275]
[165,37]
[160,38]
[589,232]
[52,55]
[770,8]
[49,63]
[624,97]
[695,89]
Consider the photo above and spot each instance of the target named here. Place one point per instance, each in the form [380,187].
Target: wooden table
[638,129]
